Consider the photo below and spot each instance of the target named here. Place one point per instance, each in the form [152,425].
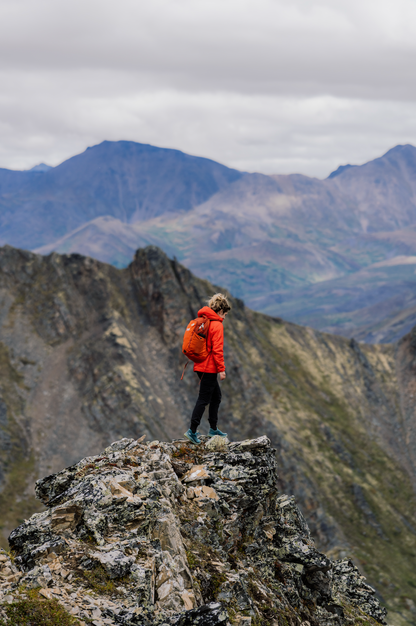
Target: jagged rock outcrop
[166,533]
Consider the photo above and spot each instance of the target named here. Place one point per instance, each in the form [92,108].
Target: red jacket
[214,362]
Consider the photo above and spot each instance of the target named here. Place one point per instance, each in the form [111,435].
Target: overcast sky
[261,85]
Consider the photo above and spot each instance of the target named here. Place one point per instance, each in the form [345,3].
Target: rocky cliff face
[163,533]
[90,354]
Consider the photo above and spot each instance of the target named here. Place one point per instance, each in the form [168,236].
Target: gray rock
[115,562]
[212,614]
[217,444]
[223,550]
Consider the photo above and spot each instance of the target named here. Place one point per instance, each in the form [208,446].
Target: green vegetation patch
[9,378]
[18,463]
[99,580]
[14,510]
[372,498]
[34,611]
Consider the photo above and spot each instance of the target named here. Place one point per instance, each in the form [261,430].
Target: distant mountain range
[337,254]
[129,181]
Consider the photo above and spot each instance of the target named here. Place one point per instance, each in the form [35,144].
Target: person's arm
[217,343]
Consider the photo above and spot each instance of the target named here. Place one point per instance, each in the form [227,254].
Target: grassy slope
[321,412]
[17,460]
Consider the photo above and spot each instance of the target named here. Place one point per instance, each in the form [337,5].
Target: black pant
[209,393]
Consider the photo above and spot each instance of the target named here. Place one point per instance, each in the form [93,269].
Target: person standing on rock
[208,370]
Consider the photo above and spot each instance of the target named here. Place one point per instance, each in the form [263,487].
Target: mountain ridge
[263,237]
[90,354]
[123,179]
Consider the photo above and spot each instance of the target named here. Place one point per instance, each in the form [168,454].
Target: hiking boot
[213,432]
[193,437]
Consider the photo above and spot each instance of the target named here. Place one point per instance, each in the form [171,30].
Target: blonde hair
[219,302]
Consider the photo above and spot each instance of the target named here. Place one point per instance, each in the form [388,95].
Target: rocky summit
[171,534]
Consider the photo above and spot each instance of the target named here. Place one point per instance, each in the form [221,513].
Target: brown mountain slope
[89,354]
[384,190]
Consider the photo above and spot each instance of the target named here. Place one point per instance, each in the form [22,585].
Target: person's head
[219,304]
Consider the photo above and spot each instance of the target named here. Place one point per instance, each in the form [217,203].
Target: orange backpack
[194,344]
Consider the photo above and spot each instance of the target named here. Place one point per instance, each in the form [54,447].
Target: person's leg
[206,388]
[214,405]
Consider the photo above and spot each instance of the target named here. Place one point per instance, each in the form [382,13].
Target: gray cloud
[258,84]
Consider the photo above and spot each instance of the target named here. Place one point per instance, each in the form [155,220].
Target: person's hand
[222,375]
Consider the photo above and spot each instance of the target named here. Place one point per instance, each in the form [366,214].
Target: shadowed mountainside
[89,354]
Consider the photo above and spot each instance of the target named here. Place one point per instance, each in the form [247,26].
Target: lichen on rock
[167,534]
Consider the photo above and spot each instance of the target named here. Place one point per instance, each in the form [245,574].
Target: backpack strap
[184,368]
